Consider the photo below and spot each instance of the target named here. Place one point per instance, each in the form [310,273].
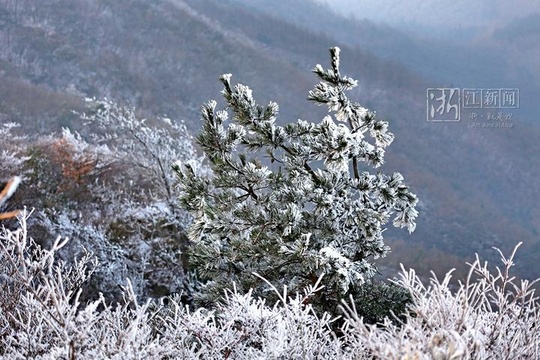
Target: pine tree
[291,203]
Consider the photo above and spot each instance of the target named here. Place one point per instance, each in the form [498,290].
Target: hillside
[477,186]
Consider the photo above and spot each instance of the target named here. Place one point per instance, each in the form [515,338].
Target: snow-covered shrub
[62,170]
[110,189]
[490,316]
[146,151]
[292,202]
[42,317]
[12,149]
[145,214]
[39,296]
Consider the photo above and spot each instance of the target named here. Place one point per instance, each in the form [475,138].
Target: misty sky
[483,15]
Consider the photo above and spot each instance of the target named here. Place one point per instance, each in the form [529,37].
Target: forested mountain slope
[477,186]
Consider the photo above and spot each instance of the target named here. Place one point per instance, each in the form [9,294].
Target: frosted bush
[490,316]
[109,188]
[42,317]
[11,149]
[147,151]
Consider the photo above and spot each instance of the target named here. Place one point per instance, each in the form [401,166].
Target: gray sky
[484,15]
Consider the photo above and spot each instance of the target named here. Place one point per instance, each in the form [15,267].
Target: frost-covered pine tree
[291,203]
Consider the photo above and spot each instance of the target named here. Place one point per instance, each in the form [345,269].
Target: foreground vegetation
[490,316]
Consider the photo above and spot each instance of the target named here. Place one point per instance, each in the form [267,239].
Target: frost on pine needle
[272,185]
